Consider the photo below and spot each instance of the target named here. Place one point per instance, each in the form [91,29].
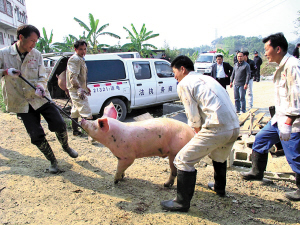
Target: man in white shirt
[221,71]
[212,115]
[285,124]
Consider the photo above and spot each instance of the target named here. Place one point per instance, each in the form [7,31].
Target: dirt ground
[84,192]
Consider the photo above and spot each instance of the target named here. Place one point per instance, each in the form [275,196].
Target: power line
[248,18]
[256,7]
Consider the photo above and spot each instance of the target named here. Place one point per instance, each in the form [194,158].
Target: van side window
[163,70]
[105,70]
[141,70]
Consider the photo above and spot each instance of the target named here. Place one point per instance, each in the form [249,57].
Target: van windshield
[205,58]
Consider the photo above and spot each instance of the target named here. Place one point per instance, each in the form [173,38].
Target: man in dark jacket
[235,60]
[221,71]
[240,78]
[258,61]
[296,51]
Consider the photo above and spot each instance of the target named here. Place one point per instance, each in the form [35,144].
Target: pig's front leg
[173,173]
[123,164]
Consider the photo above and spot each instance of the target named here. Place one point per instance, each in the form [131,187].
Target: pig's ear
[110,111]
[103,124]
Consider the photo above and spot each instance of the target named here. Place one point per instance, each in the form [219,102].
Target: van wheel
[120,107]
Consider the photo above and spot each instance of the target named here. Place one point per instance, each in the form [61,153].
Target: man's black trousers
[32,121]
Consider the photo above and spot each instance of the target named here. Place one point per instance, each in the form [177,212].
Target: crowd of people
[208,107]
[240,77]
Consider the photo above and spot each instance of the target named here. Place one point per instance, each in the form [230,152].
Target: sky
[180,24]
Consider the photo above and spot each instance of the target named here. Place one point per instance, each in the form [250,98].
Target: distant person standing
[221,71]
[235,60]
[164,56]
[77,85]
[240,77]
[296,51]
[258,61]
[253,73]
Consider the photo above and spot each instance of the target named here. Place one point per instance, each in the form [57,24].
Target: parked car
[205,61]
[128,83]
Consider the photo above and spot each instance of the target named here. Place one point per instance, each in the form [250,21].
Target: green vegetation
[137,40]
[267,69]
[43,44]
[227,45]
[94,33]
[2,105]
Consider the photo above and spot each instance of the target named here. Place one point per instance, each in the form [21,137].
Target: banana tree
[68,44]
[137,40]
[94,32]
[43,44]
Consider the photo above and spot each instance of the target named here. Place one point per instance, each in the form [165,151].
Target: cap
[255,52]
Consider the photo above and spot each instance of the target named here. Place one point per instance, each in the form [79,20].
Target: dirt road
[84,192]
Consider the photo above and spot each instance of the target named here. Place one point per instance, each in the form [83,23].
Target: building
[12,14]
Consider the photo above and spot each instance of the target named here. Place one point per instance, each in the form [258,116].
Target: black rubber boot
[76,131]
[220,170]
[295,195]
[45,148]
[185,190]
[63,139]
[259,164]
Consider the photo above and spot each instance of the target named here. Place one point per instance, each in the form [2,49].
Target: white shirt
[206,103]
[287,92]
[220,71]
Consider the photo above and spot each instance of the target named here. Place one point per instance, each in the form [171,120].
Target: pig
[127,141]
[62,82]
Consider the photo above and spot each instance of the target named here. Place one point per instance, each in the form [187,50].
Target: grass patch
[267,69]
[2,105]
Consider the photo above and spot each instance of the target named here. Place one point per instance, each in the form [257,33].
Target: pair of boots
[186,185]
[259,164]
[45,148]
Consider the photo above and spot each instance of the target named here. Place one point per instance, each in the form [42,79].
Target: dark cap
[255,52]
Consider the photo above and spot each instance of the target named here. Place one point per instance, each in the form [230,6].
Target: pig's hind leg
[173,173]
[123,164]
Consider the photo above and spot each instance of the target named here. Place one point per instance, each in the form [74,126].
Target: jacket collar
[284,59]
[13,49]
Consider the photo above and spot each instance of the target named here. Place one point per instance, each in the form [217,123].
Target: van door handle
[160,82]
[139,85]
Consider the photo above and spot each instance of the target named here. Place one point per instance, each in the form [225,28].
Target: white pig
[127,141]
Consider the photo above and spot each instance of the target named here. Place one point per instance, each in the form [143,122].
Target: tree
[43,45]
[94,32]
[137,40]
[68,44]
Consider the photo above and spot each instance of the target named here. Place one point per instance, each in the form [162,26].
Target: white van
[125,55]
[128,83]
[205,61]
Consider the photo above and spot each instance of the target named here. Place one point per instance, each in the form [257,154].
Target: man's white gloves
[40,91]
[13,72]
[285,132]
